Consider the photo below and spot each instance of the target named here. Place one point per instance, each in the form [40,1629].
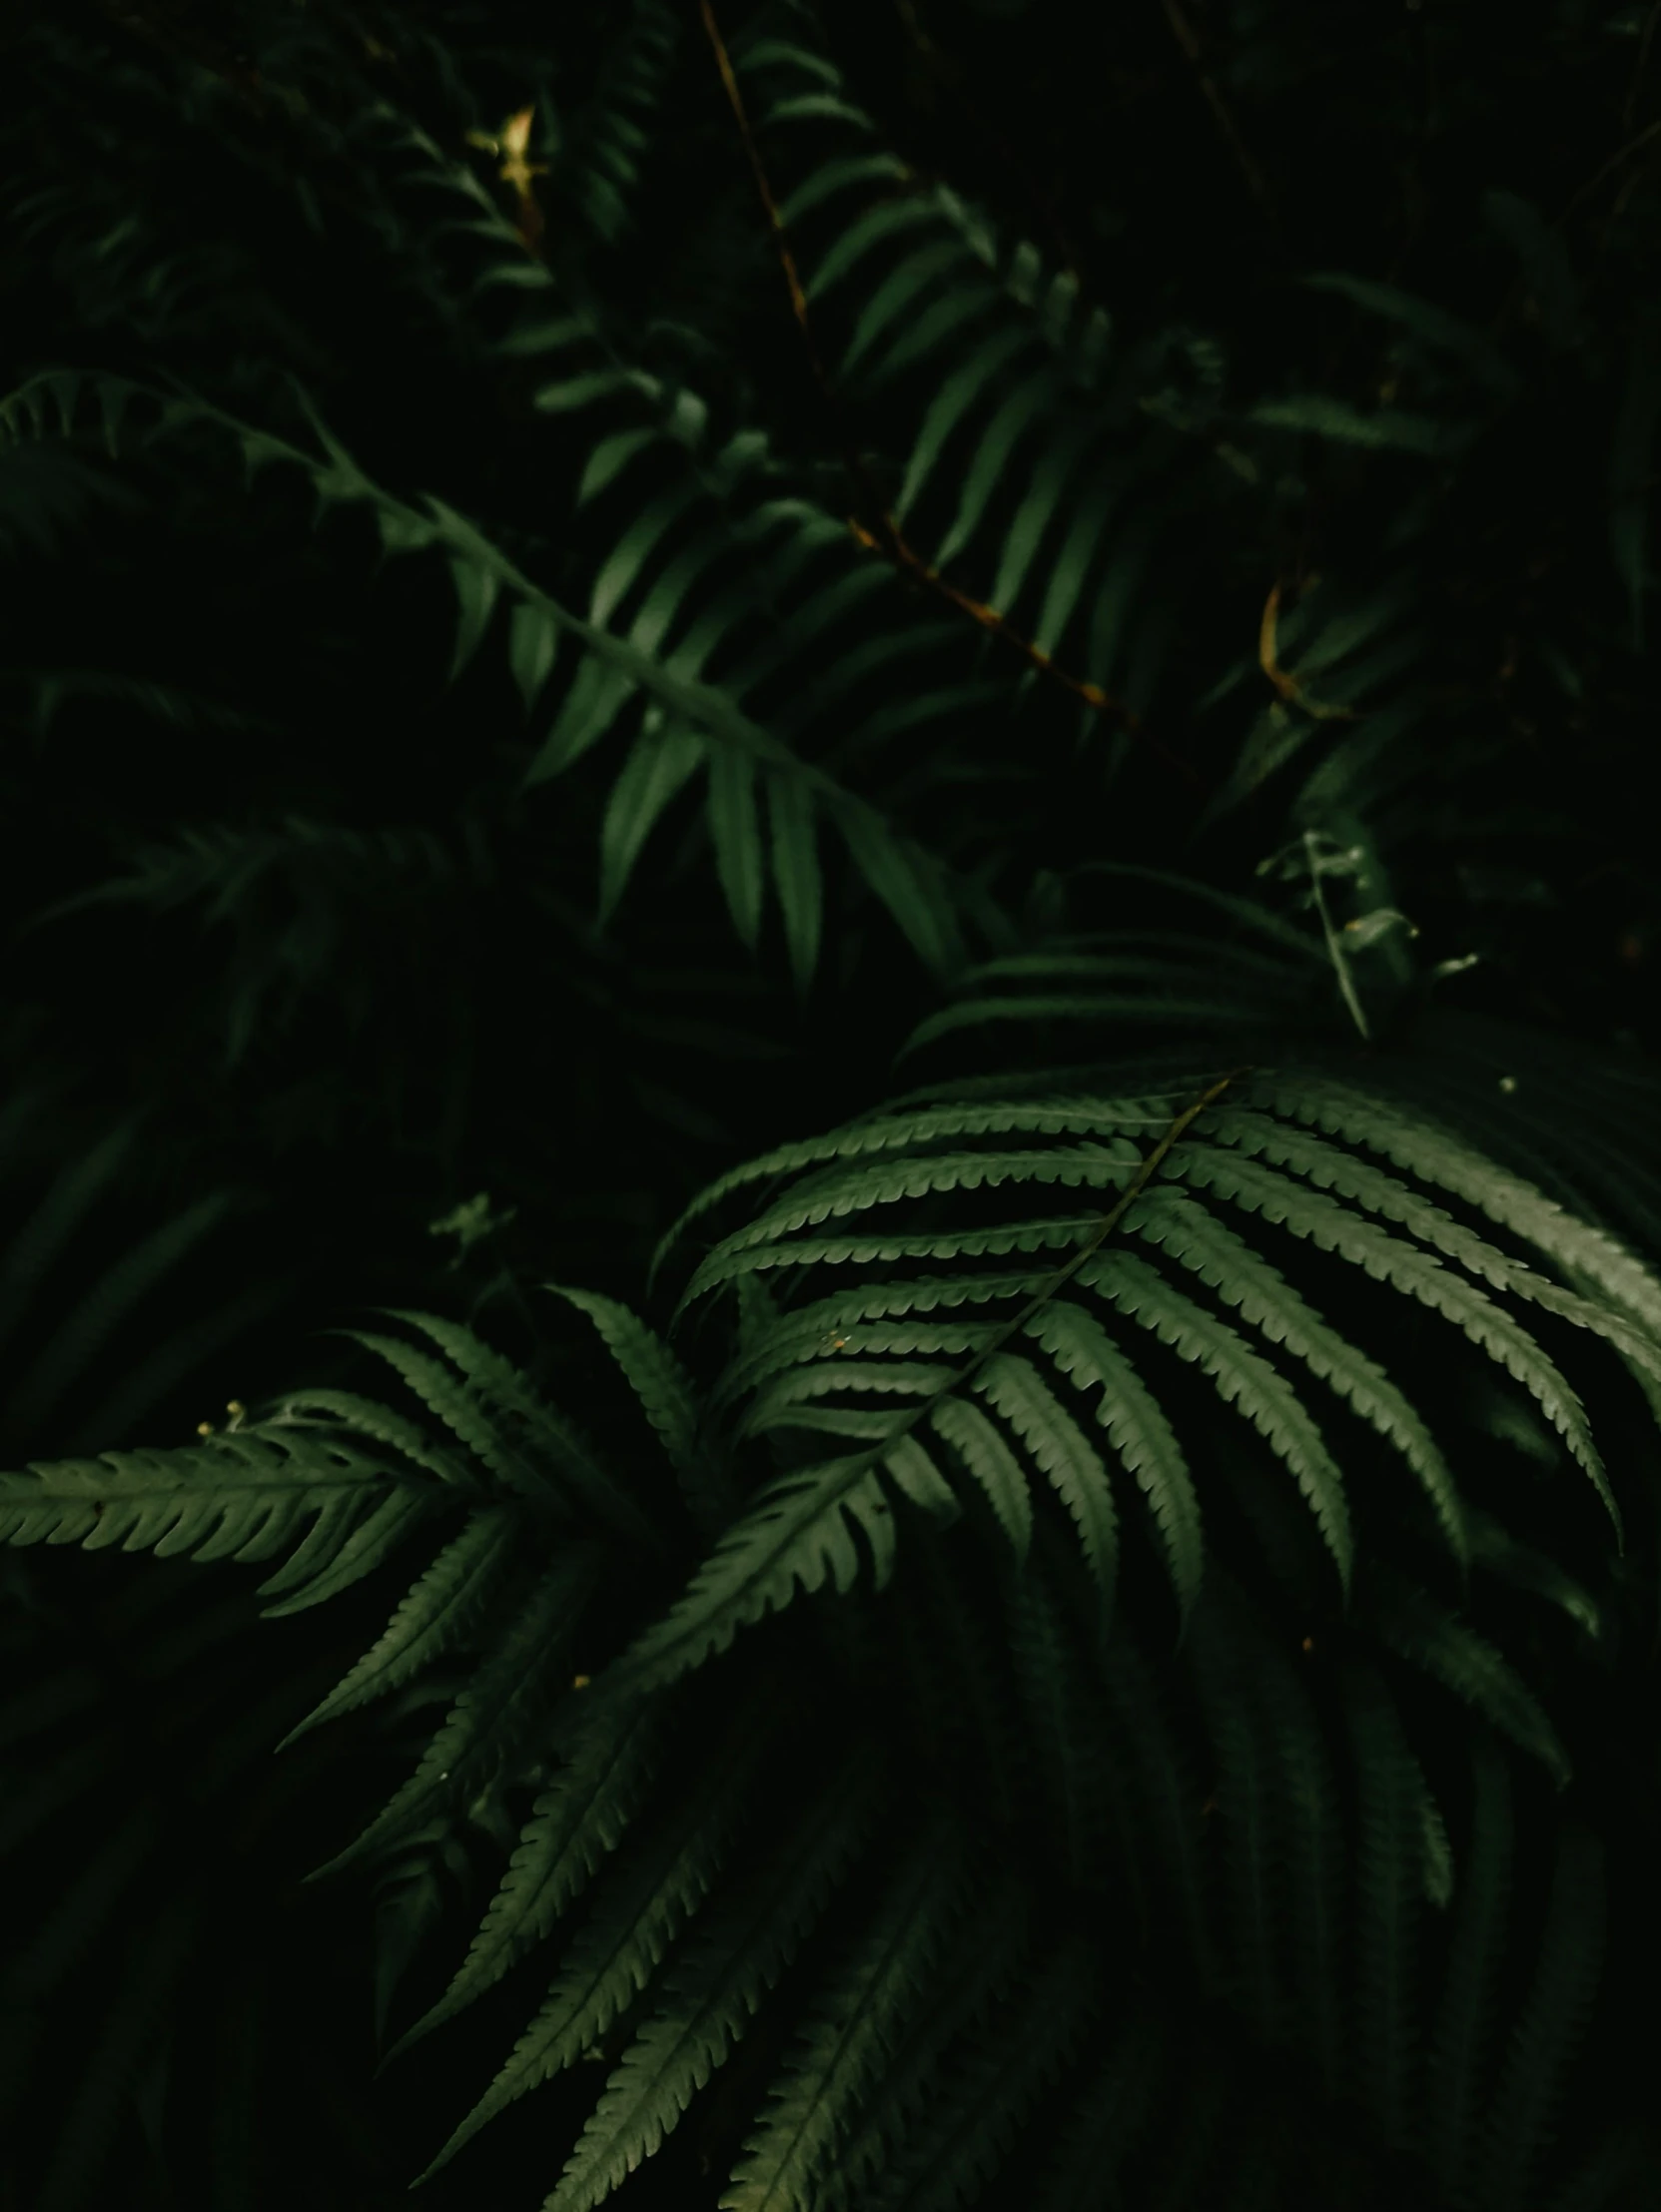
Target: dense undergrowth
[829,951]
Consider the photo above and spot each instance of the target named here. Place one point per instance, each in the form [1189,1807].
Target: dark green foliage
[991,804]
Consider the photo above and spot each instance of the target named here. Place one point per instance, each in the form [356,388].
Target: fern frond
[988,1461]
[158,1951]
[508,1691]
[822,1329]
[796,1533]
[436,1611]
[1059,1449]
[1223,1657]
[1226,1264]
[244,1495]
[1056,1705]
[977,1969]
[1243,1379]
[1390,1791]
[773,1409]
[666,1396]
[1081,1117]
[1058,1232]
[949,2160]
[1523,1567]
[361,1416]
[1438,1158]
[650,1893]
[576,1823]
[691,714]
[1438,1641]
[1095,1168]
[1313,1852]
[1092,2142]
[1138,1430]
[1460,2057]
[716,1985]
[462,1413]
[1331,1226]
[855,2028]
[1154,1761]
[509,1406]
[1531,2084]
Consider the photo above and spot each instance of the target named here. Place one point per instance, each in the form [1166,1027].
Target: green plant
[1101,1650]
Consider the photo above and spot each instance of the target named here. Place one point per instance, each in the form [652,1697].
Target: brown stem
[882,533]
[1245,159]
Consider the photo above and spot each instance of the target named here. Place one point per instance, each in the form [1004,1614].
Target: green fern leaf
[1054,1704]
[1058,1232]
[1224,1659]
[507,1398]
[367,1417]
[1438,1641]
[1243,1379]
[1169,1815]
[825,1329]
[1335,1228]
[1061,1450]
[1092,2143]
[902,1379]
[1499,1553]
[1027,404]
[856,2026]
[795,858]
[1439,1158]
[951,406]
[1531,2084]
[477,591]
[715,1986]
[436,1611]
[459,1410]
[640,1910]
[660,763]
[1138,1430]
[924,1124]
[1227,1264]
[667,1398]
[576,1821]
[1390,1791]
[1103,1168]
[508,1691]
[1464,2017]
[735,827]
[978,1965]
[534,642]
[241,1495]
[882,220]
[948,2163]
[796,1533]
[989,1462]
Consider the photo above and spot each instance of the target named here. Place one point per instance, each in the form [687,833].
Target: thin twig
[883,534]
[859,476]
[1622,155]
[1245,159]
[1284,682]
[1036,657]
